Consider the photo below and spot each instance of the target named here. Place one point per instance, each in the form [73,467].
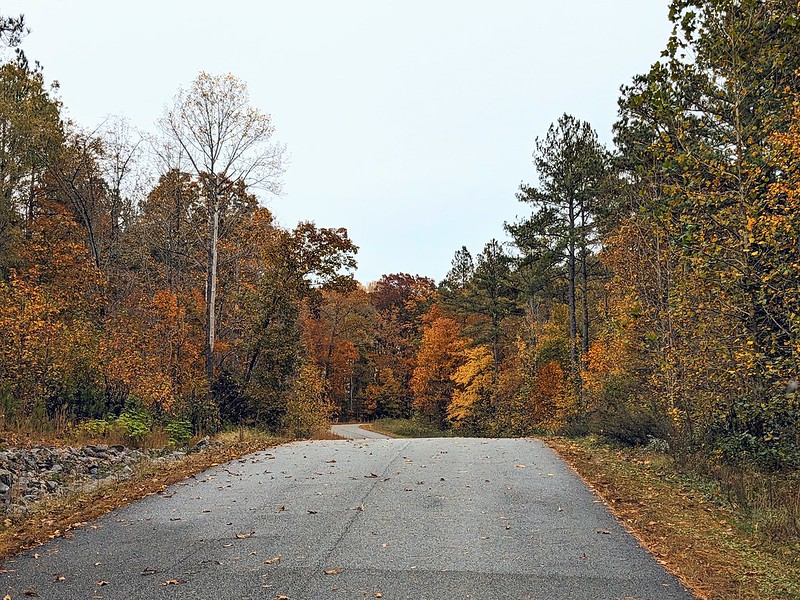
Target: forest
[651,295]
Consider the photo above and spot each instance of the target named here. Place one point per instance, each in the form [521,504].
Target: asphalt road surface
[385,518]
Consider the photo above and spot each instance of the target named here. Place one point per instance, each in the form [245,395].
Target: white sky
[411,123]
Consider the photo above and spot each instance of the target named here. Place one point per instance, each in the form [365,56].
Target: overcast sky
[411,123]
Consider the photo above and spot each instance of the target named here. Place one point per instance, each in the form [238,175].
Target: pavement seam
[353,519]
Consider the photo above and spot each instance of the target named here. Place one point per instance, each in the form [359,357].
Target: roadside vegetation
[716,533]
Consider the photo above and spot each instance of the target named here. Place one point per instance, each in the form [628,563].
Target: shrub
[179,432]
[135,424]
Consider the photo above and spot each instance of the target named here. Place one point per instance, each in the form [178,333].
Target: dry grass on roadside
[58,517]
[325,434]
[696,538]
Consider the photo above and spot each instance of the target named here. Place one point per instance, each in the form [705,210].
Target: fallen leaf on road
[378,595]
[59,577]
[171,582]
[603,532]
[330,461]
[30,592]
[272,561]
[359,507]
[6,597]
[281,508]
[150,571]
[333,571]
[371,475]
[521,466]
[282,598]
[101,583]
[312,512]
[244,536]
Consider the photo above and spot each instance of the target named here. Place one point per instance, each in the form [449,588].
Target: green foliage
[179,432]
[135,424]
[204,416]
[765,434]
[94,427]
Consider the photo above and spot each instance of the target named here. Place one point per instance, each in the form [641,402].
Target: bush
[135,424]
[306,410]
[764,432]
[94,428]
[629,424]
[179,432]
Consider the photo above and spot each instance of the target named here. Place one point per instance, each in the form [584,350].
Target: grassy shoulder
[59,517]
[710,546]
[406,428]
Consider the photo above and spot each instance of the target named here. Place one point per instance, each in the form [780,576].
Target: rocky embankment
[29,475]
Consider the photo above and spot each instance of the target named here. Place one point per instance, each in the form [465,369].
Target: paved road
[354,432]
[422,519]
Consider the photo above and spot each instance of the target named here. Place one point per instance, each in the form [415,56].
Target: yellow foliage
[474,381]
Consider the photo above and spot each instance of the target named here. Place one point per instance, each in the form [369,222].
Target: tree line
[651,293]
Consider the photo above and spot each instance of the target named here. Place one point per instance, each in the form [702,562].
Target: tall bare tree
[225,143]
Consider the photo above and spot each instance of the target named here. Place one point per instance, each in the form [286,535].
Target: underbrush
[766,504]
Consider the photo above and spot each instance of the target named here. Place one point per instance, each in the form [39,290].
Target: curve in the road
[354,431]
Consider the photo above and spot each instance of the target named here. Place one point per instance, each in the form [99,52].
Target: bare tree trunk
[211,295]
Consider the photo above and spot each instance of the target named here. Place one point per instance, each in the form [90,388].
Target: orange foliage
[549,399]
[48,313]
[439,355]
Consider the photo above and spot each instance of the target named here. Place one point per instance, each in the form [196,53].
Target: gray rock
[6,477]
